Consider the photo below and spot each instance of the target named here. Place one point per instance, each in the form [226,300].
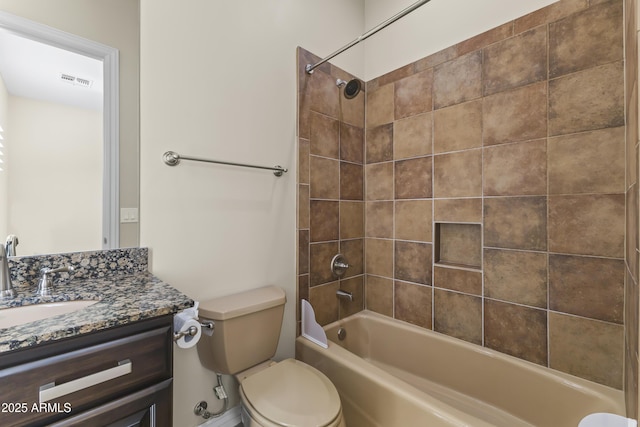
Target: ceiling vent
[76,81]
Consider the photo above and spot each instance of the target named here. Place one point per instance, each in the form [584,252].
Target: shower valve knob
[339,265]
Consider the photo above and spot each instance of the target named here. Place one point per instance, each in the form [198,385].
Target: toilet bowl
[273,394]
[289,393]
[603,419]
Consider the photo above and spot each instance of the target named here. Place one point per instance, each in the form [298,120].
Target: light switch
[128,215]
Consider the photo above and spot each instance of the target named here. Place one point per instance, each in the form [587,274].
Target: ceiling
[36,70]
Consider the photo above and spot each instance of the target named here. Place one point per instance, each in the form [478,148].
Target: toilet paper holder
[192,330]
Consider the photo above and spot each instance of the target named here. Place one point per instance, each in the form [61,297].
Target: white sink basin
[30,313]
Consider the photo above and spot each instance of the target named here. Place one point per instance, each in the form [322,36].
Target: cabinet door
[66,384]
[150,407]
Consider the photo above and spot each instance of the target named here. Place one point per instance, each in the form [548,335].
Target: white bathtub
[390,373]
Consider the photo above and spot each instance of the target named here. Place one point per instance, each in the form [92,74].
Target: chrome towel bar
[172,158]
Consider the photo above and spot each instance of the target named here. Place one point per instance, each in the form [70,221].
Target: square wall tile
[351,181]
[632,222]
[412,262]
[516,223]
[458,127]
[379,257]
[379,143]
[518,169]
[379,181]
[320,255]
[587,224]
[413,220]
[413,178]
[589,162]
[379,219]
[353,109]
[324,302]
[458,315]
[303,206]
[303,161]
[325,135]
[355,286]
[351,143]
[413,94]
[353,251]
[458,279]
[516,330]
[516,276]
[324,177]
[586,348]
[458,174]
[587,100]
[379,107]
[458,210]
[587,286]
[458,80]
[412,136]
[516,115]
[324,220]
[379,295]
[516,61]
[351,220]
[323,94]
[587,39]
[412,303]
[303,252]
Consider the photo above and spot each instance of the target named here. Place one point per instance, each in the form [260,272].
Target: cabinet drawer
[68,383]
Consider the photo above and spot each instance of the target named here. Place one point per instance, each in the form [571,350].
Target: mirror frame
[111,128]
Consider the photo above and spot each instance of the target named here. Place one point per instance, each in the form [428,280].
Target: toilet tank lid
[234,305]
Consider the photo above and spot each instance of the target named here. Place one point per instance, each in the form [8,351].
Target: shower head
[351,88]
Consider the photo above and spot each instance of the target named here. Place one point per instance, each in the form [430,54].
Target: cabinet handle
[52,391]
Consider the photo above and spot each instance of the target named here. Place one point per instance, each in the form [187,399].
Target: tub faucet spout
[6,290]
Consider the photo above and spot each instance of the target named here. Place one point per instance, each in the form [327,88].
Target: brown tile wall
[518,133]
[331,208]
[631,295]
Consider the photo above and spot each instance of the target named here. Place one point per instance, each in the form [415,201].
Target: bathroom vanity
[106,364]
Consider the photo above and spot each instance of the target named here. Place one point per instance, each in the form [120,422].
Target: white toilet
[246,332]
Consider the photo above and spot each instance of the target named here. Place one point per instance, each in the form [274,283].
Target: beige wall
[218,80]
[4,179]
[50,209]
[115,23]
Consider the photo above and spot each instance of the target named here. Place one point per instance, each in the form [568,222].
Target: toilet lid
[292,393]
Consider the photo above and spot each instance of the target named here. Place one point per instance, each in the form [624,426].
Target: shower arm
[310,67]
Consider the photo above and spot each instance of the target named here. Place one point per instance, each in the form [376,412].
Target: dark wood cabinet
[119,377]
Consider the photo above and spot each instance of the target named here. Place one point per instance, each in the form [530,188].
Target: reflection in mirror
[58,111]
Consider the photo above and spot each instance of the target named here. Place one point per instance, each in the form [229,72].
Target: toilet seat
[292,393]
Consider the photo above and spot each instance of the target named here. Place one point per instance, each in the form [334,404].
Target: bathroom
[219,80]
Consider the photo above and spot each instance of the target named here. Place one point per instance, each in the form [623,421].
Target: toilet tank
[246,329]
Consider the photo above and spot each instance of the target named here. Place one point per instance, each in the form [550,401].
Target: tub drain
[342,333]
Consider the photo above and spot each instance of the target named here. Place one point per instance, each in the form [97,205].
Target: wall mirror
[59,184]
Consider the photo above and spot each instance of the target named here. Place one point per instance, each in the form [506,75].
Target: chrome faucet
[10,244]
[45,285]
[6,290]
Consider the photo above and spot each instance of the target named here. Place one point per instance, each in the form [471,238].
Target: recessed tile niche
[458,245]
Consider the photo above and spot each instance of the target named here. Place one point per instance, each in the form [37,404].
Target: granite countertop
[123,297]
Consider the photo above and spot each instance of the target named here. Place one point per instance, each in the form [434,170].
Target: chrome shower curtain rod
[310,67]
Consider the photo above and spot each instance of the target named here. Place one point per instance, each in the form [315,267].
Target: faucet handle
[45,285]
